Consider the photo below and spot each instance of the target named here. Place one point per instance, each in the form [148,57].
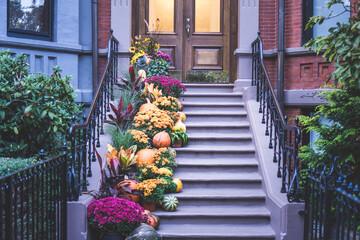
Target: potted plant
[165,157]
[152,190]
[114,217]
[116,167]
[179,138]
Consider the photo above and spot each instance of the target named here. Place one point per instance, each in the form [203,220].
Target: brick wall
[104,27]
[301,72]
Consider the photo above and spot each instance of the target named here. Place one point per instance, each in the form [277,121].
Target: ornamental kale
[169,86]
[114,214]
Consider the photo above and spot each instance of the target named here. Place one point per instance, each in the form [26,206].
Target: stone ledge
[284,215]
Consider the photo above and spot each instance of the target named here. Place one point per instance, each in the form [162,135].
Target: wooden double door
[199,35]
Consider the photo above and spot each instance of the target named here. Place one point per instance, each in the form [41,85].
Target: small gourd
[162,139]
[165,171]
[170,203]
[178,184]
[153,220]
[179,125]
[145,156]
[182,116]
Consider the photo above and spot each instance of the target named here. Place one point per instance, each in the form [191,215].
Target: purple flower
[115,214]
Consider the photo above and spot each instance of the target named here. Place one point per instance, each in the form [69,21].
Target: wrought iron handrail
[33,201]
[284,138]
[84,137]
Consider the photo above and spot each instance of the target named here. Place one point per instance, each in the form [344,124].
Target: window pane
[207,15]
[29,15]
[161,15]
[321,9]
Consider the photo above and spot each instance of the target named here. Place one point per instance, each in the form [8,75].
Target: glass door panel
[161,15]
[207,15]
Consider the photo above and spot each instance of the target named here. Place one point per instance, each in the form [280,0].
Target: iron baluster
[97,111]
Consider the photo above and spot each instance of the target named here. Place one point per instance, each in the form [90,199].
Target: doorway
[199,35]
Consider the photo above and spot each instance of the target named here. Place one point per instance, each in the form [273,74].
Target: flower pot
[113,236]
[178,144]
[151,206]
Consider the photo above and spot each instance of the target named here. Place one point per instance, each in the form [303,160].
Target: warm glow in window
[207,15]
[161,15]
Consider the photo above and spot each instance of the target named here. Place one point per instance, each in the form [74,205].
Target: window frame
[19,33]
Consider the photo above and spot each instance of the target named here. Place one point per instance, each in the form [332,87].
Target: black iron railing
[332,206]
[33,201]
[284,138]
[85,137]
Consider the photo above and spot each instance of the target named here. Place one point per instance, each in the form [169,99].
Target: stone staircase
[222,196]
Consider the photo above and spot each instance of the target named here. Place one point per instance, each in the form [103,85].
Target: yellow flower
[132,50]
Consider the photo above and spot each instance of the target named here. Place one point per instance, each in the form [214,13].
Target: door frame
[136,14]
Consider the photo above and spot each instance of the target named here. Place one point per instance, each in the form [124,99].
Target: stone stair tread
[212,95]
[219,231]
[220,104]
[208,85]
[217,125]
[218,177]
[216,113]
[219,136]
[212,211]
[217,162]
[235,149]
[224,193]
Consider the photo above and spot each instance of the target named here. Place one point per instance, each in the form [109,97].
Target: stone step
[216,117]
[216,232]
[218,179]
[238,168]
[211,98]
[216,162]
[212,107]
[224,128]
[204,152]
[208,88]
[216,214]
[216,139]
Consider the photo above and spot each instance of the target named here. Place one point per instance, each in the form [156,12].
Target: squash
[165,171]
[145,156]
[182,116]
[128,189]
[153,220]
[179,125]
[147,106]
[178,184]
[169,203]
[162,139]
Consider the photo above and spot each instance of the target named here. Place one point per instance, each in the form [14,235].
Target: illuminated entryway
[199,35]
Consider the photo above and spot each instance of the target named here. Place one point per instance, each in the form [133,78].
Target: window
[30,19]
[318,7]
[161,15]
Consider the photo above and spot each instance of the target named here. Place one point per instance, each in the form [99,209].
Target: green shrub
[10,165]
[35,110]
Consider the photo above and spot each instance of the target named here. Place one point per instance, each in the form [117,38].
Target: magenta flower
[114,214]
[169,86]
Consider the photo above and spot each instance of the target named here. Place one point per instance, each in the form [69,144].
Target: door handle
[187,26]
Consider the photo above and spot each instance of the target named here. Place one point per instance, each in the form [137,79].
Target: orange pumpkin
[162,139]
[145,156]
[128,189]
[153,220]
[147,106]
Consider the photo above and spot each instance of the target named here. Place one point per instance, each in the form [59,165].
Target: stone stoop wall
[285,218]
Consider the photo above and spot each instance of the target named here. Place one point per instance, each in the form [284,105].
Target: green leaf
[16,131]
[51,115]
[55,128]
[2,115]
[28,109]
